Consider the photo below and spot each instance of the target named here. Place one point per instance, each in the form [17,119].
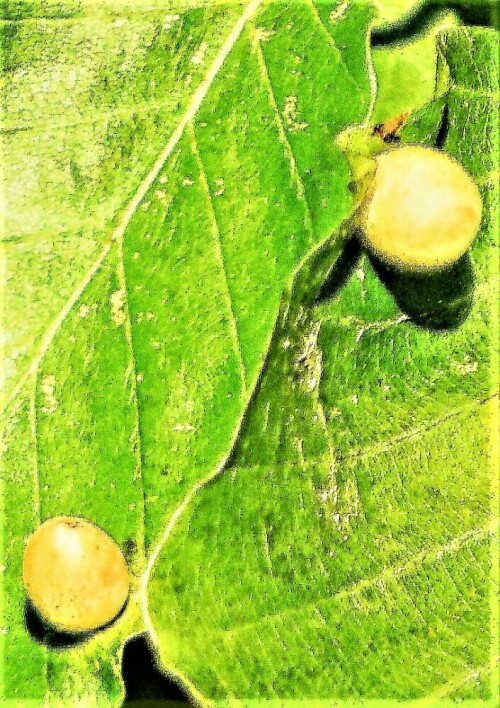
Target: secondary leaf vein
[386,445]
[138,475]
[233,325]
[331,41]
[393,573]
[294,171]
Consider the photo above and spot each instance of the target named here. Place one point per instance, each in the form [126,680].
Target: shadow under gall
[434,301]
[342,270]
[145,684]
[42,633]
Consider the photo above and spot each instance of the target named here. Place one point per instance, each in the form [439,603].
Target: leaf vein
[386,445]
[233,325]
[138,475]
[141,192]
[289,153]
[393,573]
[458,681]
[331,41]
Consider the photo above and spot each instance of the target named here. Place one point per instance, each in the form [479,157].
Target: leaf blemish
[117,300]
[164,199]
[291,115]
[263,34]
[180,428]
[341,505]
[220,187]
[48,387]
[199,56]
[467,367]
[170,20]
[309,360]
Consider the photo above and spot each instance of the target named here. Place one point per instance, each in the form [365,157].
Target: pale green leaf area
[391,10]
[242,199]
[131,360]
[410,62]
[412,65]
[344,553]
[88,106]
[83,9]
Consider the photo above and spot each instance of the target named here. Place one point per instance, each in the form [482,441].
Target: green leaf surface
[411,65]
[89,104]
[344,553]
[169,174]
[404,53]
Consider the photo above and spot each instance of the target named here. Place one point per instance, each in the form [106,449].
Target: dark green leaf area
[324,563]
[344,551]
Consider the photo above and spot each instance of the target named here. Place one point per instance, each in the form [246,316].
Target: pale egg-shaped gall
[75,574]
[422,210]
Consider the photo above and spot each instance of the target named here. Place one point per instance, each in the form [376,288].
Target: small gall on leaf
[75,574]
[422,210]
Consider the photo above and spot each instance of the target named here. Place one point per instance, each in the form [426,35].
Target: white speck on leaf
[220,187]
[169,21]
[335,15]
[309,359]
[199,55]
[263,34]
[291,115]
[468,367]
[48,388]
[186,428]
[164,199]
[118,307]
